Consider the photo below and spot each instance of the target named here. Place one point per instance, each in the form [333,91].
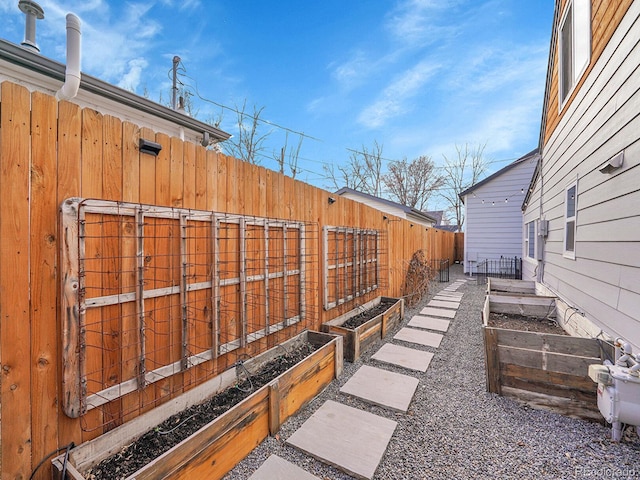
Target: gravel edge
[454,428]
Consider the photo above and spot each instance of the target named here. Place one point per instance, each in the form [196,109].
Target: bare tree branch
[412,183]
[363,171]
[248,145]
[460,174]
[288,156]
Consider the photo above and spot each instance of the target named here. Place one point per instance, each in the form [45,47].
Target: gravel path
[454,429]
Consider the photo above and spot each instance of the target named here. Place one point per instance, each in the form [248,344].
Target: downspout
[72,74]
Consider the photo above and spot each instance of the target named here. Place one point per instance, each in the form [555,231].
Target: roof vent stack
[33,12]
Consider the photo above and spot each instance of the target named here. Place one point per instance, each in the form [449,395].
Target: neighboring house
[493,214]
[582,212]
[387,206]
[438,216]
[39,73]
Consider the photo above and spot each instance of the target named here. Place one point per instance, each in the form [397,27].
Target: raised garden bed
[501,286]
[216,447]
[364,325]
[528,359]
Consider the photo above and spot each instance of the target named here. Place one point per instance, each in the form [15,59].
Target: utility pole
[174,89]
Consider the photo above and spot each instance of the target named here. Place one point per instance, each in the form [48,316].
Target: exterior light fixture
[331,200]
[613,163]
[152,148]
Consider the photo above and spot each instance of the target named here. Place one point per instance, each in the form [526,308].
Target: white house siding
[494,228]
[603,281]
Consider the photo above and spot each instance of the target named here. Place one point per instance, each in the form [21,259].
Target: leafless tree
[288,156]
[412,183]
[461,173]
[248,143]
[363,171]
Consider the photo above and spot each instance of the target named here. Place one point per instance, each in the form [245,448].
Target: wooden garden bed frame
[218,446]
[502,286]
[545,371]
[356,340]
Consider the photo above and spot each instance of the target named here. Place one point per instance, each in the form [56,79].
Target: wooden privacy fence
[127,279]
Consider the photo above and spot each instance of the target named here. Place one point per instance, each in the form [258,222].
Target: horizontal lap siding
[602,120]
[494,228]
[52,151]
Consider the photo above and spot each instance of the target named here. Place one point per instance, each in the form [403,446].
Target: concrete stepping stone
[419,337]
[453,295]
[443,304]
[381,387]
[438,312]
[447,298]
[430,323]
[276,468]
[347,438]
[404,357]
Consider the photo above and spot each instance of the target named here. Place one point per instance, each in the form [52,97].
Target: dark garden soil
[522,322]
[181,425]
[367,315]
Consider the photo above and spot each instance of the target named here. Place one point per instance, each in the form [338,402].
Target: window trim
[530,247]
[571,254]
[579,21]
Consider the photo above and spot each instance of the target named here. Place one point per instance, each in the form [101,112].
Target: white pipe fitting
[72,75]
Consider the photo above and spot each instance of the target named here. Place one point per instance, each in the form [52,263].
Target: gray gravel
[454,429]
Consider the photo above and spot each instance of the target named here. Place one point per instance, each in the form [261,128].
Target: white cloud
[415,22]
[352,72]
[394,100]
[131,79]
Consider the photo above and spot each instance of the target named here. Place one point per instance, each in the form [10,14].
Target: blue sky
[417,76]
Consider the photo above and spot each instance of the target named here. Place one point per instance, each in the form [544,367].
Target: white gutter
[72,73]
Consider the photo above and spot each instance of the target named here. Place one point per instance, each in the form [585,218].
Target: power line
[238,112]
[325,164]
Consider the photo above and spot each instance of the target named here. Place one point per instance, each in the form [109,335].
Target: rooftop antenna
[34,12]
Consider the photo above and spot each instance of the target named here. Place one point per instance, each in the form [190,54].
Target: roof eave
[16,55]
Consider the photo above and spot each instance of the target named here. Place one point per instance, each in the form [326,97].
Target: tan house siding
[605,18]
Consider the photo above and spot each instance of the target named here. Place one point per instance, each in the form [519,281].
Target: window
[571,199]
[530,241]
[574,46]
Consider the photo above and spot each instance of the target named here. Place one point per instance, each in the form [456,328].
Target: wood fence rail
[51,151]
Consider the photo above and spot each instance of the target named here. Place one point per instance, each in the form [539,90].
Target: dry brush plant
[418,278]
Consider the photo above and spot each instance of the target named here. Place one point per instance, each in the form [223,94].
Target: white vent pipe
[72,74]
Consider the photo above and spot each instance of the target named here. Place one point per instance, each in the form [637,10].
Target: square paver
[276,468]
[450,294]
[438,312]
[430,323]
[404,356]
[419,337]
[348,438]
[443,304]
[381,387]
[447,298]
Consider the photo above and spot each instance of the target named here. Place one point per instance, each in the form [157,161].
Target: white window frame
[570,219]
[530,246]
[578,12]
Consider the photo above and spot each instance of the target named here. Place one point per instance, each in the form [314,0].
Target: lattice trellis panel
[351,265]
[149,292]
